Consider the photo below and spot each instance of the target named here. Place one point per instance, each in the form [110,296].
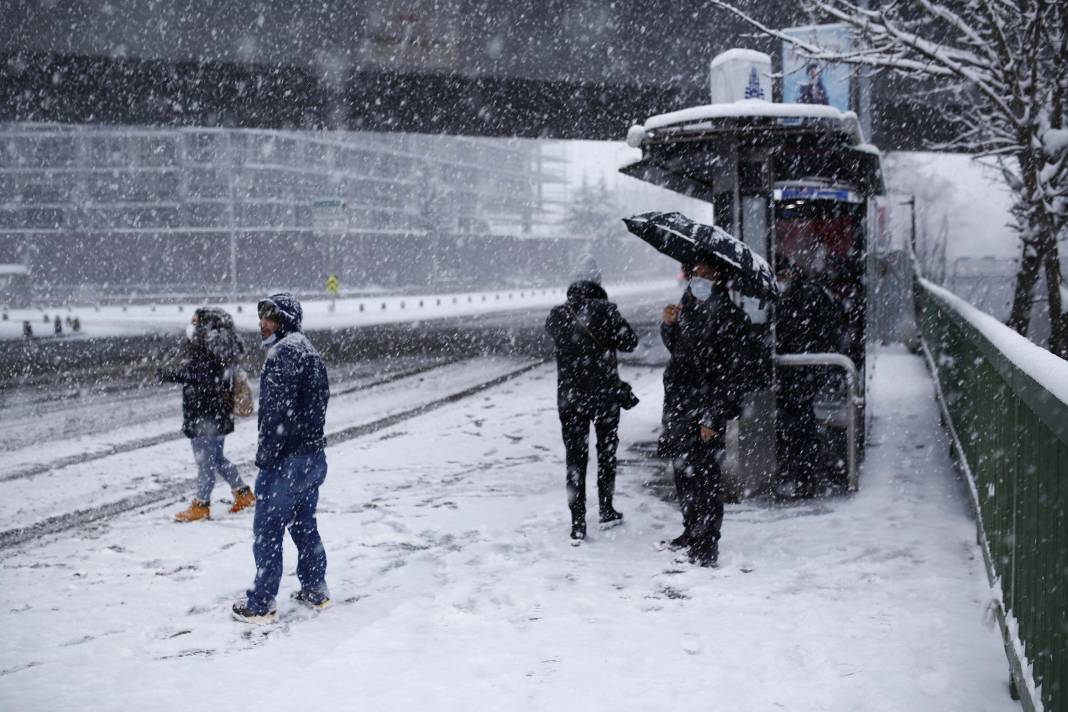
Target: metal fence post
[231,210]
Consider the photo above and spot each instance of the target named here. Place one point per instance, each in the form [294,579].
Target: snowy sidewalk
[456,588]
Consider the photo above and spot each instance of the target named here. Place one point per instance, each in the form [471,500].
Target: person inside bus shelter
[807,320]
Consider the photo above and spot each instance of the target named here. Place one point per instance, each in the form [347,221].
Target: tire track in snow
[176,490]
[140,443]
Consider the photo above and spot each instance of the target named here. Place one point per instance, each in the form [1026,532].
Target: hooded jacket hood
[286,308]
[215,333]
[585,289]
[587,270]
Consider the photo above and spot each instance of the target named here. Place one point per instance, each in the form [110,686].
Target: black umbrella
[682,239]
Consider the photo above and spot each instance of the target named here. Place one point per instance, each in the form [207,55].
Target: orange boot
[243,498]
[197,510]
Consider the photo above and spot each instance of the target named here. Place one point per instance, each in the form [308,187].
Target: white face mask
[190,331]
[700,288]
[269,341]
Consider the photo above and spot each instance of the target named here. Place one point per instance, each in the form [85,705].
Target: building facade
[126,211]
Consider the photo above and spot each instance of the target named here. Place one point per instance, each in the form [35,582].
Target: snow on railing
[1048,370]
[1005,403]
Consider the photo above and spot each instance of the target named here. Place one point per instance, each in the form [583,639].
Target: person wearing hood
[211,350]
[587,331]
[291,457]
[709,339]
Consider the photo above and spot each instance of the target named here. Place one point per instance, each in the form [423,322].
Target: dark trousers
[797,435]
[287,497]
[698,483]
[575,425]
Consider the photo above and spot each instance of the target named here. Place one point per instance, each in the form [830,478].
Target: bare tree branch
[1005,63]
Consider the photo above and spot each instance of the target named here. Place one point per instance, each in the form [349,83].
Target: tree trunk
[1058,324]
[1024,296]
[1036,241]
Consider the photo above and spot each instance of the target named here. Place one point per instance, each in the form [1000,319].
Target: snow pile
[1049,371]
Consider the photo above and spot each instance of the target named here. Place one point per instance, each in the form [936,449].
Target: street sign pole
[330,222]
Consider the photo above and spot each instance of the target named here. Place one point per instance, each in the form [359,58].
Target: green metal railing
[1013,436]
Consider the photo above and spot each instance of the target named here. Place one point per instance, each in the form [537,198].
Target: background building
[105,210]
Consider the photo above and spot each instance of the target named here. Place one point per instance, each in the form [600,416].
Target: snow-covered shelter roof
[692,151]
[13,269]
[709,116]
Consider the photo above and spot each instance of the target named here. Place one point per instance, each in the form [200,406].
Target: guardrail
[1004,403]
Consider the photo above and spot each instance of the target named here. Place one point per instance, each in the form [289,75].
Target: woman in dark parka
[211,353]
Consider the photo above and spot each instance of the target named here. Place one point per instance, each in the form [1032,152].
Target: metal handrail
[847,365]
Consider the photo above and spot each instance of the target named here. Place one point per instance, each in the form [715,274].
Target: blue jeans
[287,496]
[208,453]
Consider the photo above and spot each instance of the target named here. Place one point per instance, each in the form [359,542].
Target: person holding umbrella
[714,362]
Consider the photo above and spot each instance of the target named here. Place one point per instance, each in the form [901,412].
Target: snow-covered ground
[320,314]
[456,588]
[87,471]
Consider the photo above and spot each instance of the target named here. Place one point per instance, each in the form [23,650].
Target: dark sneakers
[707,556]
[682,541]
[317,600]
[610,519]
[578,533]
[243,614]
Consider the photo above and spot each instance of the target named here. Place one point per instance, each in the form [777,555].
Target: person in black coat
[211,353]
[587,331]
[713,364]
[807,320]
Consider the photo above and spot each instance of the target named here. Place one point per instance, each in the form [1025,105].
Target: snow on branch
[1006,64]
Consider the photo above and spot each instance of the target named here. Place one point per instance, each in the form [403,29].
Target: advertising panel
[807,81]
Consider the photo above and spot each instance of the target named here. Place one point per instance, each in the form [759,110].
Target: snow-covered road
[346,312]
[456,588]
[127,465]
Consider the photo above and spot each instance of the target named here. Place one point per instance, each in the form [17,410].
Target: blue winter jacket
[294,390]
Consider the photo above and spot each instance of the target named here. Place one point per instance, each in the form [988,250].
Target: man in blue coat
[291,457]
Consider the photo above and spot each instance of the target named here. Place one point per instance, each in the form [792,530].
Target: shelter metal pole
[864,93]
[846,364]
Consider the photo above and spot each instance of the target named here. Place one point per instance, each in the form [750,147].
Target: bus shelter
[796,183]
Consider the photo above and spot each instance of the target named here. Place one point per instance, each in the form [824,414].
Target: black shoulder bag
[622,393]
